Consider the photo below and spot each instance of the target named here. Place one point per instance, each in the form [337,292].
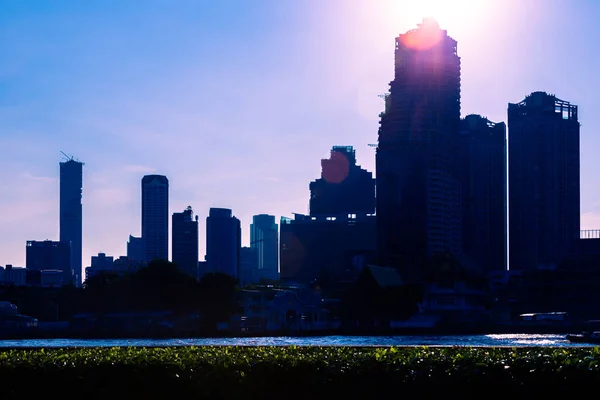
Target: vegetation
[278,372]
[160,286]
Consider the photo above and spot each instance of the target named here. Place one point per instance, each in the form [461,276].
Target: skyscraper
[483,179]
[264,237]
[343,187]
[543,176]
[185,241]
[223,242]
[418,197]
[71,224]
[155,216]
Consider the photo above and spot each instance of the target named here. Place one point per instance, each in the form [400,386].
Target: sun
[448,13]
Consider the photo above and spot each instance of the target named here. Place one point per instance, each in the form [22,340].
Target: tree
[162,286]
[217,298]
[369,300]
[98,292]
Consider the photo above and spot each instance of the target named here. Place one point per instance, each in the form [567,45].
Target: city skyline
[125,122]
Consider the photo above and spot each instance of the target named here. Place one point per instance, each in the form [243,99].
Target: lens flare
[426,37]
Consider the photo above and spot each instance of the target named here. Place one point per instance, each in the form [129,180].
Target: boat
[584,337]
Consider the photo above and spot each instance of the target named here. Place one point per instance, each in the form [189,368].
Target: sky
[237,101]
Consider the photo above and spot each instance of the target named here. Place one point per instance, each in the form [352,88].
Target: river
[519,340]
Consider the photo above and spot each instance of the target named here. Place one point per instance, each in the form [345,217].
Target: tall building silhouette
[155,217]
[48,257]
[343,187]
[264,237]
[543,174]
[248,266]
[337,246]
[483,179]
[339,235]
[136,250]
[185,241]
[418,197]
[71,223]
[223,242]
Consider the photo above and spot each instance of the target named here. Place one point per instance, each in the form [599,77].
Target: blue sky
[237,101]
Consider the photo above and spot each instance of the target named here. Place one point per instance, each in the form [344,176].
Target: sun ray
[445,12]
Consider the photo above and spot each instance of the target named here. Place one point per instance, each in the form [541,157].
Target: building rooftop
[151,178]
[385,277]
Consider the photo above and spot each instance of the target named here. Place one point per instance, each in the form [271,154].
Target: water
[518,340]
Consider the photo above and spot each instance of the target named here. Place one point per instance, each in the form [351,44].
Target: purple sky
[236,102]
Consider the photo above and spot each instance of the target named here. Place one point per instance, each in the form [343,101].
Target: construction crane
[68,158]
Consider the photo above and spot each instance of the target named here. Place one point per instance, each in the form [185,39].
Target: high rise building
[102,261]
[264,237]
[339,235]
[483,179]
[185,241]
[338,246]
[343,187]
[136,250]
[223,242]
[202,268]
[46,256]
[418,196]
[155,217]
[71,224]
[99,264]
[543,178]
[248,266]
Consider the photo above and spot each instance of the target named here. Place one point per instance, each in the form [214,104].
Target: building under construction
[418,196]
[71,213]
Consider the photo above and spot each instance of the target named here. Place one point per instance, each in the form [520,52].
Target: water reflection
[518,340]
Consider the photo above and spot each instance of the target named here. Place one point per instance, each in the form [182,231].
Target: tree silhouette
[162,286]
[217,298]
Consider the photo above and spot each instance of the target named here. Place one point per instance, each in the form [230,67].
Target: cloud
[108,197]
[27,212]
[142,169]
[26,218]
[271,179]
[44,179]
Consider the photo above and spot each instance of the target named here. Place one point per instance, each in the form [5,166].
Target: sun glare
[448,13]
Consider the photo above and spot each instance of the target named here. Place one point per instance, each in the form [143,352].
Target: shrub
[284,372]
